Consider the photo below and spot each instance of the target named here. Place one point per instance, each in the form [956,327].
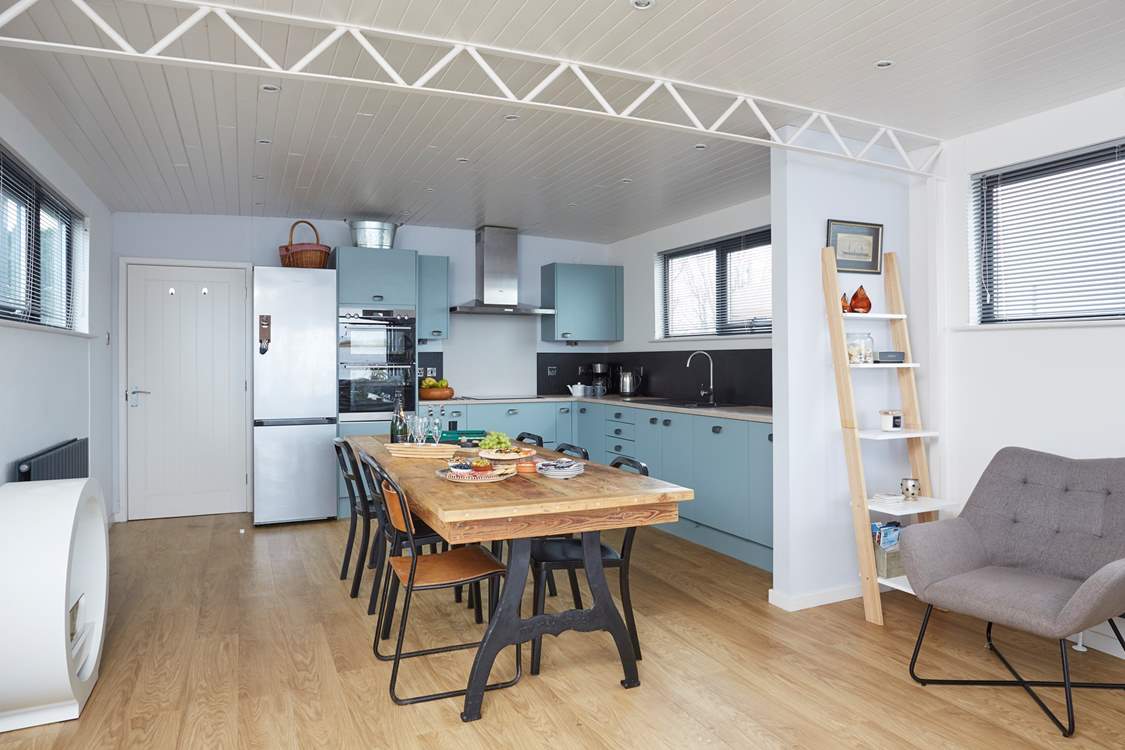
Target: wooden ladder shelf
[911,415]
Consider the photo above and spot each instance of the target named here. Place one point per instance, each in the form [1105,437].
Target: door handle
[377,297]
[132,396]
[770,438]
[617,415]
[454,413]
[582,410]
[617,449]
[564,410]
[653,420]
[716,429]
[566,334]
[513,411]
[666,422]
[435,333]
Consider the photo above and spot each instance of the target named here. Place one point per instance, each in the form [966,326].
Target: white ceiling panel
[162,138]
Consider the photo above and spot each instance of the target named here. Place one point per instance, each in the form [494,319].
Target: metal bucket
[374,234]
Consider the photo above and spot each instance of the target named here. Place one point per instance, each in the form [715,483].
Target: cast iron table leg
[508,628]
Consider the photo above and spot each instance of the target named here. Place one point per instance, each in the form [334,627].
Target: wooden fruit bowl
[435,394]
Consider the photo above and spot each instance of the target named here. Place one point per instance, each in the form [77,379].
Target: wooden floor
[222,639]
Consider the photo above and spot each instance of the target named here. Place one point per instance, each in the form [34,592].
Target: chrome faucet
[707,393]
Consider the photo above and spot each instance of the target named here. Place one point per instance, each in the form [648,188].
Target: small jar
[861,349]
[890,420]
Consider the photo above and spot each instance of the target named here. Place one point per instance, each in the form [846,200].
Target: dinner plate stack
[563,468]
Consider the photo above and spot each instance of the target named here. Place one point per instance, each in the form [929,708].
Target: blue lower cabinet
[676,437]
[721,475]
[564,423]
[514,418]
[761,483]
[352,429]
[646,436]
[589,429]
[615,446]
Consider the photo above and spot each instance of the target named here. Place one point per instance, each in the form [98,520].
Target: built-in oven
[376,350]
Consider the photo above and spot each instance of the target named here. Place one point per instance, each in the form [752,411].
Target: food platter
[515,455]
[484,477]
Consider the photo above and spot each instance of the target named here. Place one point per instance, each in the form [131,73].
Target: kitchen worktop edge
[745,413]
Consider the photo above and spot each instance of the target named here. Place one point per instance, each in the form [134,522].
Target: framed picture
[858,245]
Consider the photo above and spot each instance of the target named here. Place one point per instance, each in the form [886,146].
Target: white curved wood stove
[53,585]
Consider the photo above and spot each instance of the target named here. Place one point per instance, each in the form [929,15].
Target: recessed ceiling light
[269,88]
[259,177]
[462,160]
[884,63]
[511,117]
[265,141]
[572,205]
[364,114]
[294,153]
[642,4]
[626,180]
[700,146]
[179,164]
[428,190]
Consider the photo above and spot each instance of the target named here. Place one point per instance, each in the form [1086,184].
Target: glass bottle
[398,422]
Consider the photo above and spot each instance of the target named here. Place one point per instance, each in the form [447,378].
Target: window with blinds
[42,248]
[717,288]
[1048,238]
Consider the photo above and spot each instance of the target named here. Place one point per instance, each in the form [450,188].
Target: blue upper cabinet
[433,296]
[378,278]
[588,301]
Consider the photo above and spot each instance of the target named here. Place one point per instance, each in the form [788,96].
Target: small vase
[860,303]
[844,303]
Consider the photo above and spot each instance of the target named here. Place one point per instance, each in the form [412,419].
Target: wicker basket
[304,254]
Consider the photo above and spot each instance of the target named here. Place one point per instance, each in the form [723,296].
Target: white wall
[55,386]
[637,255]
[814,548]
[1056,389]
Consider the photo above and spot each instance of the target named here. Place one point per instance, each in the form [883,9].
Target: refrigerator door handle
[263,333]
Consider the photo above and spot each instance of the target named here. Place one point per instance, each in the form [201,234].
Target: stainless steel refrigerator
[294,394]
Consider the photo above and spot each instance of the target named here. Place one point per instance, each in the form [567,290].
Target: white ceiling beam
[832,129]
[580,70]
[103,25]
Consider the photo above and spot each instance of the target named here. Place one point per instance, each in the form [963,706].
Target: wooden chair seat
[457,566]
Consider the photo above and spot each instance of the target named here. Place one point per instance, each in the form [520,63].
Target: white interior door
[186,375]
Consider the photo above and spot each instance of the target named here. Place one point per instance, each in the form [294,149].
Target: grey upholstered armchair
[1040,546]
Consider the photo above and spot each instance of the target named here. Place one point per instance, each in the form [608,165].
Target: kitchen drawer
[619,430]
[536,418]
[621,414]
[620,447]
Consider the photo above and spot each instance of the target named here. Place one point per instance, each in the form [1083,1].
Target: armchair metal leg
[1066,684]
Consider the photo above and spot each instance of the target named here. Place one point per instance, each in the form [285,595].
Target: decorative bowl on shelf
[435,394]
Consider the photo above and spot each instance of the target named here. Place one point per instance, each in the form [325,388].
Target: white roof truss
[370,38]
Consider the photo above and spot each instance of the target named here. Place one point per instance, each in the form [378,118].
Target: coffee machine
[601,378]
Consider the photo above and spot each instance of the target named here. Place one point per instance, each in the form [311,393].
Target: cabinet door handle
[565,334]
[617,415]
[617,431]
[582,410]
[455,413]
[716,429]
[617,448]
[435,333]
[770,438]
[653,420]
[377,297]
[666,422]
[564,410]
[513,411]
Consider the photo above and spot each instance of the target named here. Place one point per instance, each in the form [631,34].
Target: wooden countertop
[527,505]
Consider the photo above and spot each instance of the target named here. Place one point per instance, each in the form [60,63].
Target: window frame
[41,198]
[723,326]
[982,208]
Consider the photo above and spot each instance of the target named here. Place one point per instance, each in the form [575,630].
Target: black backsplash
[430,359]
[742,376]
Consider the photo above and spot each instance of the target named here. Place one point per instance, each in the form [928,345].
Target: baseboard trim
[797,602]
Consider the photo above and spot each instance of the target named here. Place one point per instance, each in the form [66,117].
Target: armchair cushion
[932,552]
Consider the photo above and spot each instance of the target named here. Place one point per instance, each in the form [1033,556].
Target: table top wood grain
[527,505]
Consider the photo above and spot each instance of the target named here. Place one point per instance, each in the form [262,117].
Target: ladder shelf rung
[898,582]
[896,434]
[883,365]
[909,507]
[875,316]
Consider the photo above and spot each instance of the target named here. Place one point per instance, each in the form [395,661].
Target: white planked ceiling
[162,138]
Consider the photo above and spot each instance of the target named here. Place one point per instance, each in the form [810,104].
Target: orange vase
[844,302]
[860,303]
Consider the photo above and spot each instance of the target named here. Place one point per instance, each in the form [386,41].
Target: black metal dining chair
[573,450]
[362,512]
[530,438]
[552,588]
[461,566]
[566,554]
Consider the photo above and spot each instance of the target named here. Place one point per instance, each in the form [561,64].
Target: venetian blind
[42,251]
[1048,238]
[717,288]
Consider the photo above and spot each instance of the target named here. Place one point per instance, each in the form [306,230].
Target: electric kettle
[629,381]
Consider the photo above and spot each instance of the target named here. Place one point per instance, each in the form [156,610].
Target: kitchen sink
[684,404]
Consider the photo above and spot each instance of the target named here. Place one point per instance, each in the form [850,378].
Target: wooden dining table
[518,510]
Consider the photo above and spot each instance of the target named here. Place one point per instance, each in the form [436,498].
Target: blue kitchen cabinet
[676,456]
[588,301]
[761,483]
[589,429]
[433,296]
[721,475]
[376,278]
[646,436]
[514,418]
[351,429]
[564,422]
[456,416]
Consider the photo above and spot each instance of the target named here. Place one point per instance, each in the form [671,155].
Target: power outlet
[431,372]
[552,371]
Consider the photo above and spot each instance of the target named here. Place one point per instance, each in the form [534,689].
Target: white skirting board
[796,602]
[54,555]
[1102,639]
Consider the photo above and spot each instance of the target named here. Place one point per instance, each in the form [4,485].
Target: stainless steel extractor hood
[498,284]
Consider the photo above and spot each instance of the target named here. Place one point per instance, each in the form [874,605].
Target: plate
[497,456]
[475,478]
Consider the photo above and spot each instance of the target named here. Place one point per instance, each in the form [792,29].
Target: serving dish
[507,456]
[475,477]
